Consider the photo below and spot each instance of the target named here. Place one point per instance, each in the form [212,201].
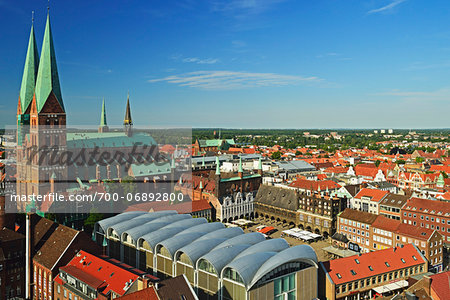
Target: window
[338,275]
[353,272]
[403,261]
[285,286]
[414,257]
[370,268]
[357,261]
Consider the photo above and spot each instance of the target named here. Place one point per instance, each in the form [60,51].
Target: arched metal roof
[121,227]
[188,236]
[153,238]
[137,232]
[223,233]
[219,258]
[198,248]
[272,245]
[104,224]
[158,214]
[304,253]
[247,266]
[207,242]
[248,238]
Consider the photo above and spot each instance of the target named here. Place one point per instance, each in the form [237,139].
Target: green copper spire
[440,182]
[240,170]
[217,166]
[103,117]
[173,166]
[200,186]
[29,73]
[47,78]
[260,164]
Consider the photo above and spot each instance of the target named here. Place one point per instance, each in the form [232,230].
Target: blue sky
[241,64]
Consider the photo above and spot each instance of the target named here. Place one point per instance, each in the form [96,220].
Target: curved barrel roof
[155,224]
[105,223]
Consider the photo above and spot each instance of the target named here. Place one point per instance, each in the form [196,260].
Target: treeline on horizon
[292,138]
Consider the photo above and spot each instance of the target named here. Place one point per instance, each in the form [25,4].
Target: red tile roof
[99,273]
[314,185]
[429,206]
[145,294]
[440,284]
[376,195]
[340,270]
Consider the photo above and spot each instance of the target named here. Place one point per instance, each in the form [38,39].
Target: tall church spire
[127,122]
[103,124]
[47,82]
[30,71]
[103,117]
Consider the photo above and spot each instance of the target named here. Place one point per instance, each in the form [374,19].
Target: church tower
[128,122]
[26,94]
[47,120]
[103,124]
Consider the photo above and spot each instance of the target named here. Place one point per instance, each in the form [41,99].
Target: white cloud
[214,80]
[197,60]
[442,94]
[243,7]
[387,7]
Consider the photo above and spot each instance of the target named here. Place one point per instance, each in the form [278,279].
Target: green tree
[377,163]
[94,217]
[419,160]
[276,155]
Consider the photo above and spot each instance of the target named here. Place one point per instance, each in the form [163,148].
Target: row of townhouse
[425,213]
[375,232]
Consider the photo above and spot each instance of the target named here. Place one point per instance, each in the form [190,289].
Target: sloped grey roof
[295,166]
[153,238]
[303,253]
[105,223]
[137,232]
[277,196]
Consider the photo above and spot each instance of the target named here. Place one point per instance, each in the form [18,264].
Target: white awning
[391,286]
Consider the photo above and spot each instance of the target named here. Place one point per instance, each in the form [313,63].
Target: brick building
[391,205]
[87,276]
[314,212]
[373,233]
[363,276]
[368,200]
[357,227]
[432,214]
[56,252]
[12,260]
[231,195]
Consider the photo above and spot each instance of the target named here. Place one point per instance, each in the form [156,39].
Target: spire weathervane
[32,17]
